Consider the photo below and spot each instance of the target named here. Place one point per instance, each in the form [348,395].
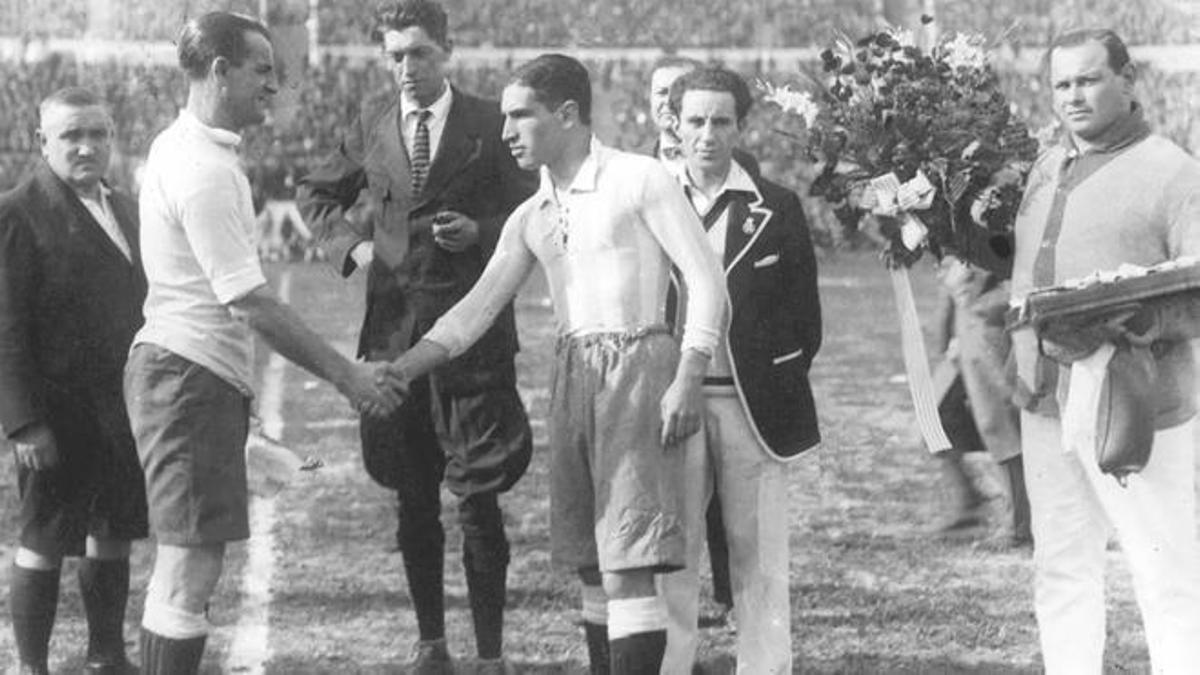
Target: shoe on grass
[431,657]
[122,667]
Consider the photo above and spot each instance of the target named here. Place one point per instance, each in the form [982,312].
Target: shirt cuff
[702,340]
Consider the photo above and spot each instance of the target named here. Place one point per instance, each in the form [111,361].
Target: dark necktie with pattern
[420,152]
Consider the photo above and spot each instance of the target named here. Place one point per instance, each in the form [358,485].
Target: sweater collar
[1122,134]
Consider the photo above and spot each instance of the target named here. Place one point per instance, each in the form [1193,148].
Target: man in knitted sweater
[1112,193]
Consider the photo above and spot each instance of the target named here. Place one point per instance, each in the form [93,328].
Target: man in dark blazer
[760,413]
[71,292]
[441,185]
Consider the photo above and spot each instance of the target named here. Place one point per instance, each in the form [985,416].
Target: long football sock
[637,635]
[104,586]
[165,656]
[33,601]
[172,639]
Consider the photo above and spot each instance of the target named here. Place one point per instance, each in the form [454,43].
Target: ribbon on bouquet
[916,365]
[887,196]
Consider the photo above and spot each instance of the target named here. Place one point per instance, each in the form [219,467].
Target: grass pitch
[872,591]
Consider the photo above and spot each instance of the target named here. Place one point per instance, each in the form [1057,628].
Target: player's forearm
[419,360]
[286,333]
[464,323]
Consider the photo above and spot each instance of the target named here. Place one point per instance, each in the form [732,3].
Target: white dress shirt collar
[738,180]
[439,112]
[439,109]
[101,210]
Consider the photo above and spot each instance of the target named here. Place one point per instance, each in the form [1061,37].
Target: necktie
[420,152]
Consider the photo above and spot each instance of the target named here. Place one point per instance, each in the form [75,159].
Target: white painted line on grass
[250,646]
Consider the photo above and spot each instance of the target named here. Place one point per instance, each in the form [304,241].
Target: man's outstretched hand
[366,396]
[394,377]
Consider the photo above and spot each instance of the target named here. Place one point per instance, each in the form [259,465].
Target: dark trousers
[480,445]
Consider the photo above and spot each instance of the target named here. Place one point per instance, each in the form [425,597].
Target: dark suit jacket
[775,316]
[70,304]
[472,173]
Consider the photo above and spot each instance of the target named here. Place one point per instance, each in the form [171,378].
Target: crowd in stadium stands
[632,23]
[144,98]
[30,18]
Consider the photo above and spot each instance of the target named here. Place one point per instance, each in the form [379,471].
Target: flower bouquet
[923,139]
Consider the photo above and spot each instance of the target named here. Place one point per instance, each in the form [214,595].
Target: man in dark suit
[441,184]
[71,292]
[760,413]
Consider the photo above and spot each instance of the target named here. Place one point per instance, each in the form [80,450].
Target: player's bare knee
[185,577]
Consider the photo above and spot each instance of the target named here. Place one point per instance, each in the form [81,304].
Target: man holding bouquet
[1111,193]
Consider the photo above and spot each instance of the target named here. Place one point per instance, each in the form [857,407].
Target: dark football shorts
[96,489]
[191,427]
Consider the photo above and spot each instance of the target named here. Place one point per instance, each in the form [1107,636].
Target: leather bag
[1125,417]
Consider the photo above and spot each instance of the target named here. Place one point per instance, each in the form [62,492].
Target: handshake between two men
[380,388]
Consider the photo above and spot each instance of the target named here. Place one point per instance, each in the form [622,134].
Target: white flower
[797,102]
[913,232]
[964,51]
[904,37]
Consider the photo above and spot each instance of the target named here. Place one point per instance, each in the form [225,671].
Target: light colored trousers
[753,490]
[1074,507]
